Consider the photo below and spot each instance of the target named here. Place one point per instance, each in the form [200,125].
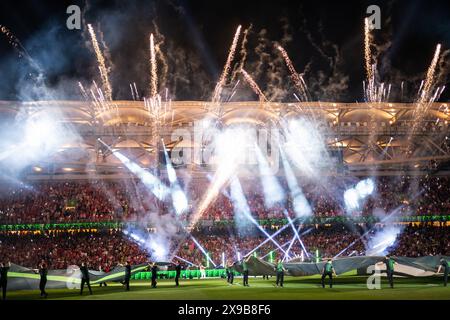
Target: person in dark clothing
[328,270]
[245,272]
[227,271]
[390,263]
[177,273]
[154,271]
[446,268]
[43,271]
[279,268]
[4,268]
[127,276]
[85,278]
[230,278]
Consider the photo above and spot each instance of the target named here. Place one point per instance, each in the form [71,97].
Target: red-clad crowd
[46,202]
[106,249]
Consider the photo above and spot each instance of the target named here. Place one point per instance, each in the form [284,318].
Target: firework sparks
[254,86]
[427,93]
[17,45]
[367,51]
[296,77]
[101,64]
[153,70]
[227,67]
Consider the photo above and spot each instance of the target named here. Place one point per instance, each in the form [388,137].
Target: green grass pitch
[346,287]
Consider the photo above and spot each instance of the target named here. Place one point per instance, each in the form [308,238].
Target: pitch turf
[345,288]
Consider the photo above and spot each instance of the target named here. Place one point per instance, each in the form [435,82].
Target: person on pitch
[230,273]
[4,268]
[202,271]
[245,271]
[177,273]
[446,268]
[43,271]
[85,278]
[390,263]
[154,271]
[127,278]
[328,270]
[279,268]
[227,271]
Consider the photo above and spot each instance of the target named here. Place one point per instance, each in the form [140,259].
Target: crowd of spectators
[53,202]
[106,249]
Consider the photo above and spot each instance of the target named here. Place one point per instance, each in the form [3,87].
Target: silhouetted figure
[444,265]
[154,272]
[177,273]
[43,271]
[4,268]
[85,278]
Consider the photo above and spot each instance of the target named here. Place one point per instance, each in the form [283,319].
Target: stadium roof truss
[371,135]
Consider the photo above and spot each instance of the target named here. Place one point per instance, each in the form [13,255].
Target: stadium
[158,198]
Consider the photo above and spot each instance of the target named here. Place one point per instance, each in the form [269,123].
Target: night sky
[324,39]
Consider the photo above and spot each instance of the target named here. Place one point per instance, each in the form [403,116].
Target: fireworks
[101,65]
[227,67]
[17,45]
[373,92]
[296,78]
[367,52]
[153,70]
[427,94]
[254,86]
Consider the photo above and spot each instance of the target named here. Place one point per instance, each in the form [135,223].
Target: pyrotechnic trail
[427,94]
[227,67]
[298,80]
[153,70]
[101,65]
[254,86]
[17,45]
[243,52]
[367,51]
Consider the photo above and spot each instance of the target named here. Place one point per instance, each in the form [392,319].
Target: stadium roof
[370,135]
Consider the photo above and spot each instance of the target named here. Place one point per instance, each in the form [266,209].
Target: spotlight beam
[179,200]
[296,233]
[155,185]
[301,205]
[203,250]
[180,258]
[267,240]
[238,198]
[273,193]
